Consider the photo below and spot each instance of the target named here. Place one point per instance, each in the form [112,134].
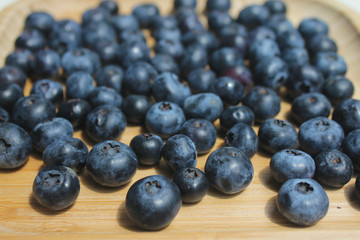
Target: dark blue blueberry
[31,110]
[295,57]
[170,34]
[224,58]
[229,90]
[271,72]
[105,122]
[351,147]
[320,134]
[203,105]
[96,32]
[201,80]
[31,39]
[104,96]
[195,56]
[291,163]
[321,43]
[108,51]
[275,7]
[330,63]
[168,22]
[165,63]
[229,170]
[193,184]
[304,79]
[12,74]
[218,5]
[4,116]
[111,163]
[79,85]
[236,36]
[65,35]
[253,16]
[310,27]
[23,59]
[47,64]
[236,114]
[15,146]
[241,73]
[310,105]
[147,147]
[68,152]
[167,87]
[128,36]
[201,132]
[80,59]
[184,4]
[262,32]
[75,111]
[243,137]
[51,90]
[333,168]
[262,49]
[56,187]
[263,101]
[95,15]
[164,119]
[290,39]
[217,20]
[132,52]
[337,89]
[41,21]
[179,152]
[124,22]
[189,21]
[48,131]
[135,107]
[275,135]
[110,6]
[347,114]
[145,14]
[206,39]
[357,187]
[280,24]
[9,94]
[172,47]
[110,76]
[233,29]
[302,201]
[139,78]
[153,202]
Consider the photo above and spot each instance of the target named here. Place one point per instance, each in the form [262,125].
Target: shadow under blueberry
[43,210]
[88,182]
[12,170]
[162,168]
[261,152]
[290,118]
[86,139]
[267,179]
[350,196]
[36,155]
[213,192]
[124,220]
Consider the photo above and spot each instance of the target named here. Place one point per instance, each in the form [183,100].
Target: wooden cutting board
[99,212]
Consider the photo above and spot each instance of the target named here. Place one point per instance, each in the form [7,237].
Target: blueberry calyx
[152,187]
[52,178]
[165,106]
[295,153]
[322,125]
[191,173]
[304,187]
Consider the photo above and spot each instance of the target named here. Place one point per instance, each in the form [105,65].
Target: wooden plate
[99,212]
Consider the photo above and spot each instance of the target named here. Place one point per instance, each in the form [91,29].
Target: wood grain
[99,212]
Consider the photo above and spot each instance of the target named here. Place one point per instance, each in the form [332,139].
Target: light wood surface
[99,212]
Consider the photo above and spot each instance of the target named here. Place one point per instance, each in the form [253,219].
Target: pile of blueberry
[237,71]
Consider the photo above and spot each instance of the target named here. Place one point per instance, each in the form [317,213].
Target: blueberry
[31,110]
[75,111]
[108,51]
[48,131]
[65,35]
[333,168]
[167,87]
[310,27]
[229,90]
[147,147]
[302,201]
[243,137]
[179,152]
[172,47]
[201,80]
[229,170]
[47,64]
[56,187]
[23,59]
[224,58]
[165,63]
[263,101]
[132,52]
[135,107]
[145,14]
[129,36]
[50,90]
[111,163]
[347,114]
[218,20]
[290,39]
[310,105]
[68,152]
[12,74]
[110,6]
[79,85]
[330,63]
[203,38]
[351,147]
[276,7]
[139,77]
[291,163]
[295,57]
[95,15]
[168,22]
[201,132]
[271,72]
[262,32]
[184,4]
[80,59]
[321,43]
[164,119]
[193,184]
[253,16]
[104,96]
[41,21]
[31,39]
[337,89]
[357,187]
[262,49]
[241,73]
[105,122]
[219,5]
[96,32]
[236,114]
[189,21]
[195,56]
[124,22]
[275,135]
[320,134]
[153,202]
[235,40]
[4,115]
[110,76]
[15,146]
[203,105]
[9,94]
